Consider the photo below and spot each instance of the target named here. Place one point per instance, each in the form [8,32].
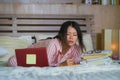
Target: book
[107,39]
[104,53]
[105,2]
[97,61]
[115,2]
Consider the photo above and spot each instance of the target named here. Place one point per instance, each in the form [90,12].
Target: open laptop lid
[32,57]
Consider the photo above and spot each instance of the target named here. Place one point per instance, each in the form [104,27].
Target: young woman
[62,50]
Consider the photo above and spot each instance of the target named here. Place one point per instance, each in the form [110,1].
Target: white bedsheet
[106,72]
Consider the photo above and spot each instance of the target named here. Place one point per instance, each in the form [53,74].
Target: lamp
[111,41]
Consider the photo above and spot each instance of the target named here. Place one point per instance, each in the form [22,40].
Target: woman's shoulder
[76,46]
[55,41]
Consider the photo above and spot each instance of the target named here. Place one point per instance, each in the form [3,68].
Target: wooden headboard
[28,24]
[31,24]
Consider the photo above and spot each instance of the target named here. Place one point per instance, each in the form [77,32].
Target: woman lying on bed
[63,50]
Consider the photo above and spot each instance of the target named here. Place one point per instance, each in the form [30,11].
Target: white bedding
[105,72]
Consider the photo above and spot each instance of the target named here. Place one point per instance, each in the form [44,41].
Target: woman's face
[72,36]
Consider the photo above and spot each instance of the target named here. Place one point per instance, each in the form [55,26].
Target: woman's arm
[12,61]
[52,53]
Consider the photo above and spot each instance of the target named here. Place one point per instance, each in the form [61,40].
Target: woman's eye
[75,35]
[71,35]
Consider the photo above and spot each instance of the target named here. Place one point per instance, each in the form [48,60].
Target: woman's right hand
[70,62]
[63,63]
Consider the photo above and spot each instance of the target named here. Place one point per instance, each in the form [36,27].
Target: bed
[23,30]
[111,72]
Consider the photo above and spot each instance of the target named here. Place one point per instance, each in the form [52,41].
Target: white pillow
[87,40]
[28,39]
[44,36]
[12,43]
[3,51]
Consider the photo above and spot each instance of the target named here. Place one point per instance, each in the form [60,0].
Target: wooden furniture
[31,24]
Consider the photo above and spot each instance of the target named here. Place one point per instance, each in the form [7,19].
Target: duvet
[80,72]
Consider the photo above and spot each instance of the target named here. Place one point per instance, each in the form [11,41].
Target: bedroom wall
[104,16]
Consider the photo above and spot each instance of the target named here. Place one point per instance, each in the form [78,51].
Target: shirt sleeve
[77,55]
[52,53]
[12,61]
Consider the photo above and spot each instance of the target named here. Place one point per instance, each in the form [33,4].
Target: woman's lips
[70,41]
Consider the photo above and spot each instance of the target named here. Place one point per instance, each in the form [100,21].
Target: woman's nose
[71,36]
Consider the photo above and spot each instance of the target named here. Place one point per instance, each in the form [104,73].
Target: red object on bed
[32,57]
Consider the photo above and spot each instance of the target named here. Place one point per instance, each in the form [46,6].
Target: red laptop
[28,57]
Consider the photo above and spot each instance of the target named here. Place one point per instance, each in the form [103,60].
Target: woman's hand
[70,62]
[63,63]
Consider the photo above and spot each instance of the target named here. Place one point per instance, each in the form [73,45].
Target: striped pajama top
[55,57]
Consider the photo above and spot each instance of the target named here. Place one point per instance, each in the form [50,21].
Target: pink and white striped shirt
[55,57]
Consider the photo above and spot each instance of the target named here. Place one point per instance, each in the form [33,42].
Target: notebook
[28,57]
